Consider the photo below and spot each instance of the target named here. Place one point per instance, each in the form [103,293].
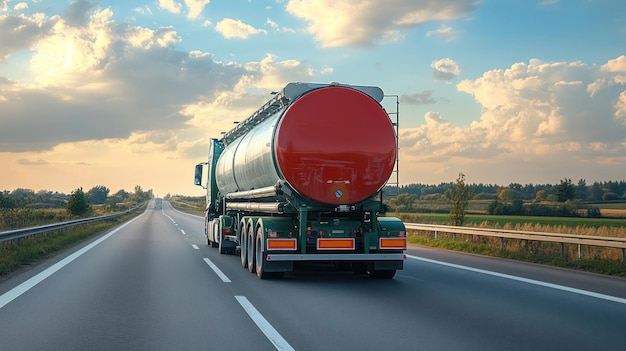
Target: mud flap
[277,266]
[388,265]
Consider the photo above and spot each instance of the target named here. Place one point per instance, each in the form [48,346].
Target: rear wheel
[212,242]
[243,242]
[221,247]
[260,262]
[210,234]
[251,252]
[206,233]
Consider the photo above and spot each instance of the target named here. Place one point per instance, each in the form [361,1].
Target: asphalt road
[154,284]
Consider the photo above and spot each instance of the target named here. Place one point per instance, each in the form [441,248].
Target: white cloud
[271,23]
[276,74]
[276,27]
[195,7]
[444,32]
[367,23]
[128,84]
[171,6]
[236,29]
[105,80]
[20,6]
[539,113]
[620,108]
[617,65]
[146,11]
[423,98]
[445,69]
[69,53]
[610,74]
[78,12]
[326,70]
[252,90]
[21,32]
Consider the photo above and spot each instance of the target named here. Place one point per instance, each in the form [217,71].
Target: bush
[608,196]
[78,204]
[569,208]
[486,196]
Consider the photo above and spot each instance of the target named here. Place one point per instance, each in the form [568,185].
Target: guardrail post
[453,236]
[563,249]
[623,255]
[502,243]
[435,235]
[580,251]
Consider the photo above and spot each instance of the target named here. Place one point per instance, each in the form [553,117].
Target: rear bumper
[285,262]
[336,257]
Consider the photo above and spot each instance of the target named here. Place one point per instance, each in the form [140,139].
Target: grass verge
[594,264]
[29,251]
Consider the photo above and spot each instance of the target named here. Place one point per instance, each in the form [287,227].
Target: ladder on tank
[394,116]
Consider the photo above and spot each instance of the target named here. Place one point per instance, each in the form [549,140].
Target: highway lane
[141,289]
[148,287]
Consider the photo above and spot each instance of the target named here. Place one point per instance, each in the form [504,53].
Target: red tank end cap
[335,145]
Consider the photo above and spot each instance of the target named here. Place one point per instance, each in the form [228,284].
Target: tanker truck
[300,181]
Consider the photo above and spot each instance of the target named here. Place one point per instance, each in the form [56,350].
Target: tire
[243,241]
[206,233]
[259,260]
[221,248]
[210,242]
[251,252]
[258,256]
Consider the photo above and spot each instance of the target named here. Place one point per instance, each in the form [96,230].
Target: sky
[126,93]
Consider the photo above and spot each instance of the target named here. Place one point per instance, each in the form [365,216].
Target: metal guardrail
[16,234]
[580,240]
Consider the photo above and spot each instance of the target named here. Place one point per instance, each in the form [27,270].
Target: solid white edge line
[30,283]
[272,335]
[217,271]
[525,280]
[185,213]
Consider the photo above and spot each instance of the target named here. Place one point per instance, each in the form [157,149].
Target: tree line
[564,199]
[78,202]
[560,192]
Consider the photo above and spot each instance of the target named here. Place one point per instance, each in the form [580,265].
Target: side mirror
[197,179]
